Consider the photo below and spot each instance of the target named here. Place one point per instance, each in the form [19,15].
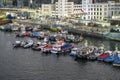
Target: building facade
[64,8]
[99,11]
[47,9]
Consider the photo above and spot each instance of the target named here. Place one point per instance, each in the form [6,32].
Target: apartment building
[47,9]
[63,8]
[100,11]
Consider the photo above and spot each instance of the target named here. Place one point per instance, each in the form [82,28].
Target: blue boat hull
[116,60]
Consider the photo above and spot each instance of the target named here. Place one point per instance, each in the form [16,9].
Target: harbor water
[25,64]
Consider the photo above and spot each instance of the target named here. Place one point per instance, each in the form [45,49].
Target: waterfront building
[100,11]
[77,10]
[47,9]
[64,8]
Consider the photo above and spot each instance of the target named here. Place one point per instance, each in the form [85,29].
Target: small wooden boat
[23,34]
[47,49]
[74,52]
[39,47]
[17,44]
[35,34]
[6,28]
[69,38]
[23,43]
[28,44]
[2,27]
[94,53]
[52,38]
[57,47]
[41,36]
[66,48]
[84,53]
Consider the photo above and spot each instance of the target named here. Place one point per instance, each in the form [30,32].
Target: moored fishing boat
[35,34]
[52,38]
[41,36]
[66,48]
[47,49]
[69,38]
[94,53]
[2,27]
[6,28]
[23,34]
[103,55]
[83,53]
[28,44]
[17,44]
[110,58]
[74,52]
[39,46]
[14,27]
[57,47]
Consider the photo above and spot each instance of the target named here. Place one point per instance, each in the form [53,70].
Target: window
[91,13]
[91,9]
[97,9]
[94,13]
[94,9]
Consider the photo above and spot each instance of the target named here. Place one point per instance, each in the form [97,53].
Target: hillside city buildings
[88,10]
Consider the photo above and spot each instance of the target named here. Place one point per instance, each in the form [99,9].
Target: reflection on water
[107,44]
